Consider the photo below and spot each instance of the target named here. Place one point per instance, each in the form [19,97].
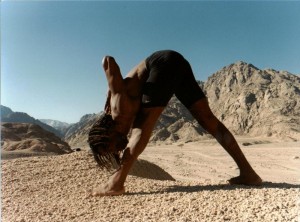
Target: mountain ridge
[20,117]
[30,138]
[60,126]
[248,100]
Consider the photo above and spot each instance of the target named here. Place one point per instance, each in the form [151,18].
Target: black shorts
[169,74]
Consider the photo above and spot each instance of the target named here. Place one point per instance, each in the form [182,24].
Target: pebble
[146,199]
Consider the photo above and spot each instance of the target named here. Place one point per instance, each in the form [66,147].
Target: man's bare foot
[254,180]
[105,190]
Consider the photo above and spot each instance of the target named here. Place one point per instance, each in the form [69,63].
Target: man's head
[105,143]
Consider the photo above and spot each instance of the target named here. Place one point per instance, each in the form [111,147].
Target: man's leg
[140,135]
[201,111]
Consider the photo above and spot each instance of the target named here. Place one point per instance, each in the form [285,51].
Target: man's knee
[203,114]
[201,106]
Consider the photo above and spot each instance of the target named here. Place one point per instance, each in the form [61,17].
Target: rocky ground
[53,188]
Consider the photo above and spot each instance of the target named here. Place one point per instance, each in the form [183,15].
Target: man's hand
[113,74]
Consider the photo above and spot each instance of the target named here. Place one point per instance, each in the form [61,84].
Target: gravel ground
[53,188]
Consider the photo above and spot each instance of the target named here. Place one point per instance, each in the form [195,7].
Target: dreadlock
[99,140]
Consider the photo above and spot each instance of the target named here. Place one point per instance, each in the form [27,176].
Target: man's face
[118,142]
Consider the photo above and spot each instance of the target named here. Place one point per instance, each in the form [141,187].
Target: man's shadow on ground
[199,188]
[145,169]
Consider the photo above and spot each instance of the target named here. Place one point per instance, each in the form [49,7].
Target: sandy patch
[52,188]
[207,161]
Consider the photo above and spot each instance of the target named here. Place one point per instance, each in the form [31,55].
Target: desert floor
[178,182]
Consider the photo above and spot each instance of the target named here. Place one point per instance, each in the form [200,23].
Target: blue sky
[51,51]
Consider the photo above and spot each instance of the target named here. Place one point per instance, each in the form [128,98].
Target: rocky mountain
[5,111]
[248,100]
[58,125]
[7,115]
[177,124]
[256,102]
[77,134]
[31,137]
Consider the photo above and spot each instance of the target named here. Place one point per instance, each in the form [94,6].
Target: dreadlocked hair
[99,140]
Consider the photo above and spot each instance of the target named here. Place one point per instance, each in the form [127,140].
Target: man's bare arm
[142,129]
[141,133]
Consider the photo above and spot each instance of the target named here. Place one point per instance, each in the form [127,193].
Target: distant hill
[31,137]
[76,135]
[58,125]
[7,115]
[5,111]
[249,101]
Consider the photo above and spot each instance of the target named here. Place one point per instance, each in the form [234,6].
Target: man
[136,102]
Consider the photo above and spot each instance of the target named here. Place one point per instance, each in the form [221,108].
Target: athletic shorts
[169,74]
